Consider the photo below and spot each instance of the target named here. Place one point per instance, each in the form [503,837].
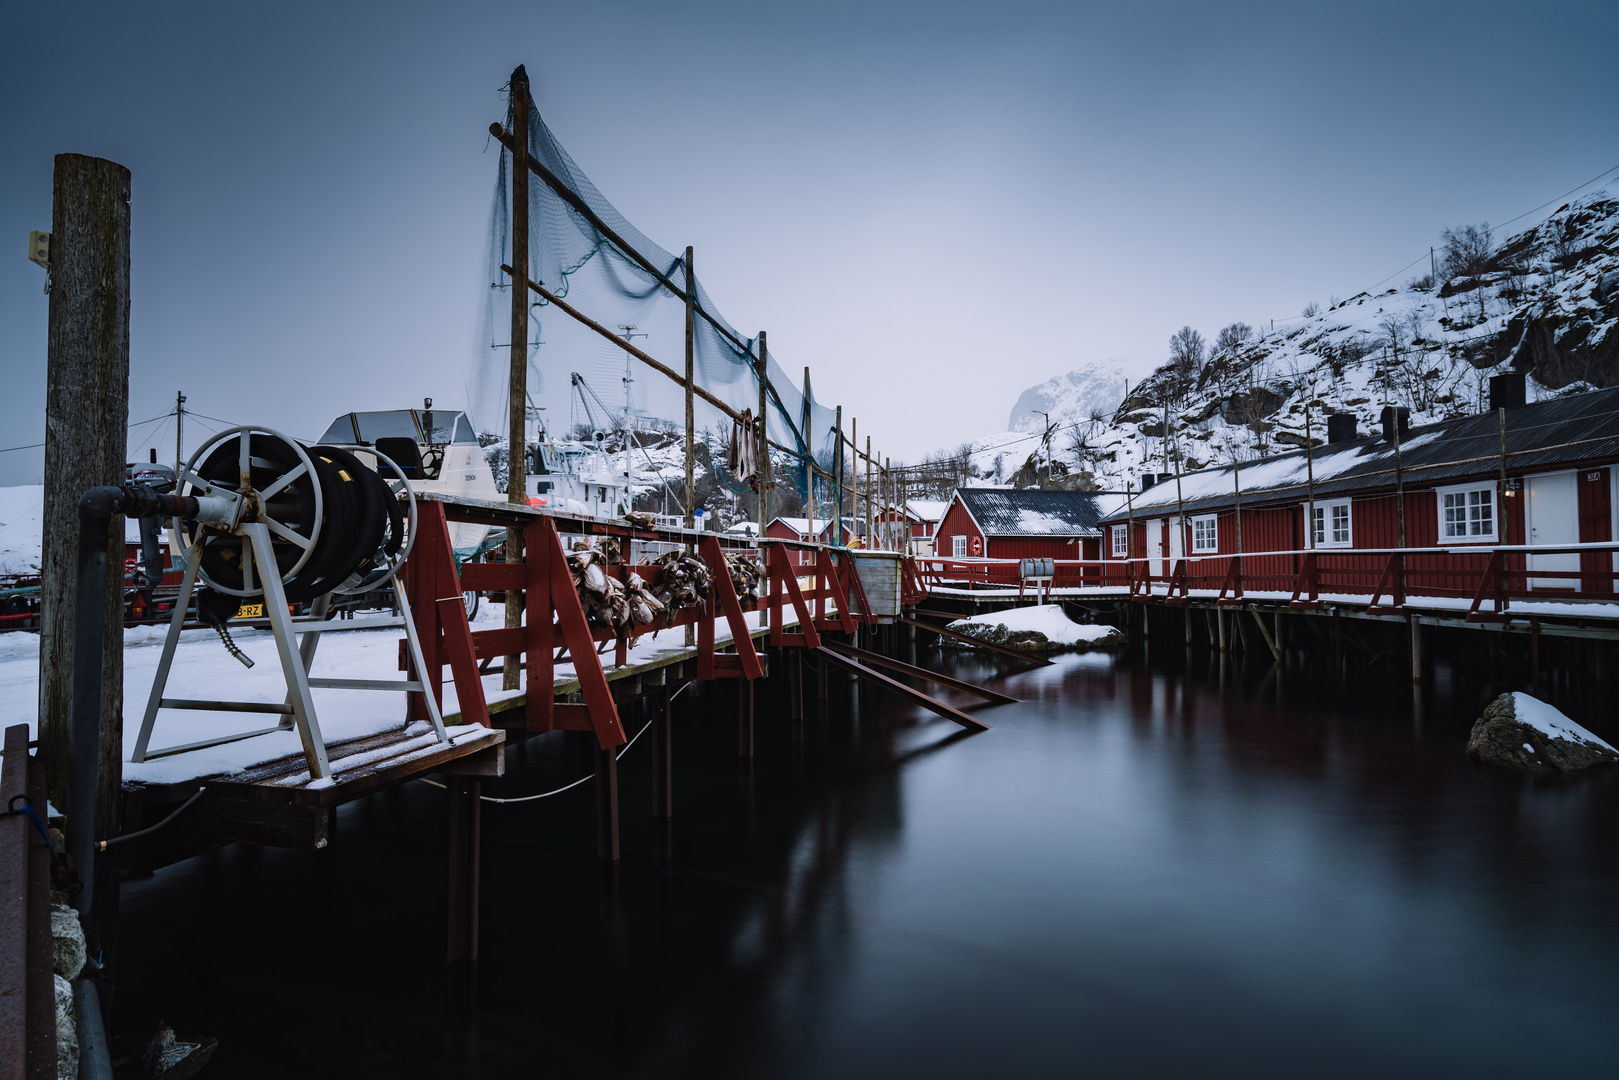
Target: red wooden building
[797,528]
[1538,474]
[1021,523]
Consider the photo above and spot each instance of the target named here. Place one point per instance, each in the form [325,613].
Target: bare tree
[1467,250]
[1232,337]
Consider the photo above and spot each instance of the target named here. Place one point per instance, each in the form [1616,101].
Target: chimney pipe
[1507,391]
[1390,415]
[1341,428]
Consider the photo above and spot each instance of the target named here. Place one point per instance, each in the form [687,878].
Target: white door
[1554,521]
[1177,541]
[1156,530]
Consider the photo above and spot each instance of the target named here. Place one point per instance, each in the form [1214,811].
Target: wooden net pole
[517,435]
[764,456]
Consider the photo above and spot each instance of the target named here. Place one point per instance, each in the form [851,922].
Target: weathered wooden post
[764,456]
[662,761]
[744,718]
[517,414]
[691,415]
[86,425]
[606,802]
[466,834]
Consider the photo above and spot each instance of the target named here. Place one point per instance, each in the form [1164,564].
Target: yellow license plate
[250,611]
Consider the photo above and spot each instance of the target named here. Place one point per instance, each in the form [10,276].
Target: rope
[566,787]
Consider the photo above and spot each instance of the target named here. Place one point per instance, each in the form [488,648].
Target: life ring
[976,546]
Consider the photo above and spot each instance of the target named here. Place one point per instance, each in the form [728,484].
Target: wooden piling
[1534,656]
[466,836]
[795,680]
[607,803]
[86,424]
[662,759]
[744,718]
[1416,650]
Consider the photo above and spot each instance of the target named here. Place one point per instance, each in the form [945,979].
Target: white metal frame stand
[297,658]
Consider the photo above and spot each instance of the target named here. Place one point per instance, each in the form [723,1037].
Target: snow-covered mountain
[1544,301]
[1095,391]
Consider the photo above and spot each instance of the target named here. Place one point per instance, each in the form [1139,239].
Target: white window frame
[1121,542]
[1465,492]
[1328,536]
[1205,534]
[958,546]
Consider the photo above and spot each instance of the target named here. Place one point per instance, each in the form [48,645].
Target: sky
[933,206]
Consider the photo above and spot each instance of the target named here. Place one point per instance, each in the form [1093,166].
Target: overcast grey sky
[932,205]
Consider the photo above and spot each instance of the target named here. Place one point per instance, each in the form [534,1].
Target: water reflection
[1214,867]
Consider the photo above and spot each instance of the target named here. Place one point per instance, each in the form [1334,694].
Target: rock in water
[1039,629]
[1526,733]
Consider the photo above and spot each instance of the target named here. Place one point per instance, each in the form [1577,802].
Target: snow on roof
[928,509]
[1540,435]
[1032,512]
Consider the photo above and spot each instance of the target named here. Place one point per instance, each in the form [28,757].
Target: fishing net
[574,259]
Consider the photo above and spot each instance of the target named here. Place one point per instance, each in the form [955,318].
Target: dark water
[1139,872]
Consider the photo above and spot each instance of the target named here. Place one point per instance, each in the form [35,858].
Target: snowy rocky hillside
[1092,393]
[1544,301]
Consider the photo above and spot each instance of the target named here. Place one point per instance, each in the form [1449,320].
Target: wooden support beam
[854,667]
[878,660]
[1276,653]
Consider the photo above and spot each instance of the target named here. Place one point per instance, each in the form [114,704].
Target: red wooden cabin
[1021,523]
[1540,474]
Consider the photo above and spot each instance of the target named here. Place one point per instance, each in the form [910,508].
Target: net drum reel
[279,522]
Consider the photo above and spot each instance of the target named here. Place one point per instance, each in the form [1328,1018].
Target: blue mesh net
[570,256]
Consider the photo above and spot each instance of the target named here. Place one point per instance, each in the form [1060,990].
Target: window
[1331,526]
[1121,541]
[958,547]
[1467,513]
[1205,537]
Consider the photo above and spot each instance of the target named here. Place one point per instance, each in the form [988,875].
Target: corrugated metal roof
[1032,512]
[1567,431]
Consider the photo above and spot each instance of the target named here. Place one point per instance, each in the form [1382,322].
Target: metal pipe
[96,508]
[95,1058]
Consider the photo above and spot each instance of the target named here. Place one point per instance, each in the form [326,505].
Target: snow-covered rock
[68,950]
[1526,733]
[67,1032]
[1042,628]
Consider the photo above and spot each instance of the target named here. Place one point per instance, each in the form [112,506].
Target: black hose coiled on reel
[362,529]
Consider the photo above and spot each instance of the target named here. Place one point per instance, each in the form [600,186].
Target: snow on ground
[1048,619]
[22,528]
[202,669]
[1550,722]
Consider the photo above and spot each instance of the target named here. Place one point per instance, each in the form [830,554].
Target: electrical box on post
[39,248]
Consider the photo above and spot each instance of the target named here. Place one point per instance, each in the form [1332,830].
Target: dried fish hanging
[621,605]
[686,582]
[742,460]
[747,576]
